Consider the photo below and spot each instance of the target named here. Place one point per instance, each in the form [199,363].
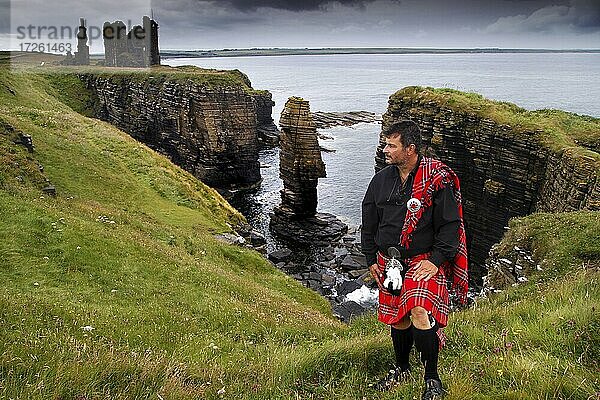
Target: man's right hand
[374,269]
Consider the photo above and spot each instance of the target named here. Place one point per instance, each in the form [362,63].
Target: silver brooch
[413,205]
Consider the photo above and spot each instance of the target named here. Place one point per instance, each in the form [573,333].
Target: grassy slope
[154,280]
[178,314]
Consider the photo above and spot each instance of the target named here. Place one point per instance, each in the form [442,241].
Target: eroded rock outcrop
[301,165]
[543,247]
[508,267]
[29,171]
[506,170]
[300,168]
[209,130]
[268,134]
[324,120]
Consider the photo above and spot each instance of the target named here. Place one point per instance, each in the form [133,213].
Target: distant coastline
[352,50]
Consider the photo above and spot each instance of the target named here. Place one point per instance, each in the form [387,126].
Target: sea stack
[301,165]
[300,168]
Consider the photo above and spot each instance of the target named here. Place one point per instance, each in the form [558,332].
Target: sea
[364,82]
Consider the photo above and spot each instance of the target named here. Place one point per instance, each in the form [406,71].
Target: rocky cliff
[268,134]
[209,127]
[511,162]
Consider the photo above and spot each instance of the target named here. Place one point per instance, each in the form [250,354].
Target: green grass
[62,77]
[555,129]
[177,314]
[562,240]
[71,90]
[206,77]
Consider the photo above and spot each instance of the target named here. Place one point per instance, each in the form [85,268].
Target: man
[414,205]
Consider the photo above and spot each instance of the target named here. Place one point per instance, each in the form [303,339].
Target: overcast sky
[195,24]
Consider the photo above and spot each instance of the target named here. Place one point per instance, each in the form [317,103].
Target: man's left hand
[425,270]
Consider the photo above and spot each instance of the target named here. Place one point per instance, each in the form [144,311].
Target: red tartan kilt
[431,295]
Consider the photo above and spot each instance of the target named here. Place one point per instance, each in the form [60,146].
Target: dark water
[340,193]
[569,82]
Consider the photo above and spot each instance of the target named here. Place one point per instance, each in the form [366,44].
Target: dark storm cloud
[203,16]
[578,16]
[230,22]
[207,24]
[292,5]
[586,14]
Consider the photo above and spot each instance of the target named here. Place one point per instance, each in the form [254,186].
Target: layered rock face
[570,183]
[301,165]
[268,134]
[324,120]
[505,171]
[209,131]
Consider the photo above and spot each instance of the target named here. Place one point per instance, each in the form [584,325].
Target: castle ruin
[82,55]
[136,48]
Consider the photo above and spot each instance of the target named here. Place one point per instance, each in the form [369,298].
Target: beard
[390,161]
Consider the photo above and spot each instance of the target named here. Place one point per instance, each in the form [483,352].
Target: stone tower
[115,42]
[152,54]
[82,55]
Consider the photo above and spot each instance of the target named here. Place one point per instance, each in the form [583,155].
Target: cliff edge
[209,122]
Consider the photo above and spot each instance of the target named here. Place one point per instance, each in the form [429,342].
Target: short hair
[409,133]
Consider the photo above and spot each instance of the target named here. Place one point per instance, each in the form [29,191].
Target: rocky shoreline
[324,120]
[337,270]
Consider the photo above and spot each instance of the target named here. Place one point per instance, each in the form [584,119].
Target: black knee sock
[403,341]
[427,343]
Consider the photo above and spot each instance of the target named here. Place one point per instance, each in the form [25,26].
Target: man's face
[395,152]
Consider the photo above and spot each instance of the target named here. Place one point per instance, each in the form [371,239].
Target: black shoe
[433,390]
[394,377]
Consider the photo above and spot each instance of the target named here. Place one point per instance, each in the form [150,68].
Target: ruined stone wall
[210,132]
[503,172]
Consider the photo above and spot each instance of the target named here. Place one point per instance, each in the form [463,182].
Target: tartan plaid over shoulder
[431,176]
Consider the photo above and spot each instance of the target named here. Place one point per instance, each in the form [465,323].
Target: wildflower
[87,328]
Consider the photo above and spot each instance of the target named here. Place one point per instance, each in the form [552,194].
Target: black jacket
[384,210]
